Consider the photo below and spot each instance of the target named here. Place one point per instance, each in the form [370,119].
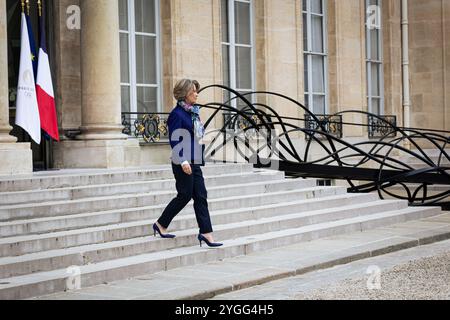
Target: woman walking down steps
[185,132]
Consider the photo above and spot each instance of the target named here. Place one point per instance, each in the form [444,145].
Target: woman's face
[192,96]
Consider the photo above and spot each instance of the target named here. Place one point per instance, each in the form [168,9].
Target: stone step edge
[328,260]
[134,183]
[108,172]
[149,194]
[51,182]
[145,188]
[189,211]
[139,223]
[331,262]
[314,190]
[57,275]
[186,233]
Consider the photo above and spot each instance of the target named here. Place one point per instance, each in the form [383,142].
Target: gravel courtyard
[423,279]
[420,273]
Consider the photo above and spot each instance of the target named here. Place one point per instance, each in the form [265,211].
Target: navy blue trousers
[188,188]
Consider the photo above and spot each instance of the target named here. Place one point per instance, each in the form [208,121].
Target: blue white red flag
[44,88]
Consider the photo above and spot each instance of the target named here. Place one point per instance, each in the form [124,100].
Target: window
[315,55]
[237,46]
[374,57]
[140,55]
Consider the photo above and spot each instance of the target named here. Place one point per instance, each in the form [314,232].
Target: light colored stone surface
[429,63]
[258,271]
[108,154]
[15,158]
[100,66]
[283,48]
[347,60]
[391,11]
[5,128]
[418,273]
[100,95]
[67,67]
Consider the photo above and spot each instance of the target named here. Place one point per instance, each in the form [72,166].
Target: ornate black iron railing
[152,128]
[382,126]
[331,123]
[396,164]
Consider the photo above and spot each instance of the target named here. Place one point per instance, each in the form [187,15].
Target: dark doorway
[42,154]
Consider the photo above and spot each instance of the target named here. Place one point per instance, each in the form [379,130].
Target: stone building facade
[126,55]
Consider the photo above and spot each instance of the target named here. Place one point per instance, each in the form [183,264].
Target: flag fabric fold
[27,110]
[44,89]
[34,57]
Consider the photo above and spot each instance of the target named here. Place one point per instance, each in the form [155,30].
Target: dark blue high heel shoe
[164,236]
[202,239]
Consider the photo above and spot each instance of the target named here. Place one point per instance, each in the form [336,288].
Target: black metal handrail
[376,161]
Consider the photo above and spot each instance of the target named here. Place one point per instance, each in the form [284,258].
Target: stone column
[16,158]
[100,71]
[5,128]
[101,144]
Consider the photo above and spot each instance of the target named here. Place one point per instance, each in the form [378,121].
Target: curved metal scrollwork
[395,164]
[150,127]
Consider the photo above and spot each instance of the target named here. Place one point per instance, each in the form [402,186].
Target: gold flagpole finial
[40,7]
[28,7]
[23,6]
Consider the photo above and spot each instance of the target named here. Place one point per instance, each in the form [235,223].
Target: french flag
[44,88]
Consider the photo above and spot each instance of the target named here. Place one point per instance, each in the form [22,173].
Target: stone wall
[392,45]
[67,68]
[428,63]
[347,83]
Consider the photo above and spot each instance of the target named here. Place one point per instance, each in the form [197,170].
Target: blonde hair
[183,87]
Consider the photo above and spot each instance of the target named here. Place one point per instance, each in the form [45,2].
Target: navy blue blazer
[184,144]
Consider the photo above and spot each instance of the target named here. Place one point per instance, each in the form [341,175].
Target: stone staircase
[434,155]
[101,222]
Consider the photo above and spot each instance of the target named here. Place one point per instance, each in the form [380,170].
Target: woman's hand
[187,169]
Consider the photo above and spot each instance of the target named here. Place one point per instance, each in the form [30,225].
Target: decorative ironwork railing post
[152,128]
[379,126]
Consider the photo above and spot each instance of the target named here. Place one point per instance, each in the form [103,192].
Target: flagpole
[23,6]
[40,7]
[28,7]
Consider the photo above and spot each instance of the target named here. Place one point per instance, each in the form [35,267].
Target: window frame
[232,46]
[309,53]
[370,61]
[132,34]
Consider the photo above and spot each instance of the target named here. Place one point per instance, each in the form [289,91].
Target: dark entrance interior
[42,154]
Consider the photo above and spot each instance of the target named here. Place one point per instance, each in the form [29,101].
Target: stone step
[43,283]
[303,212]
[93,191]
[77,178]
[59,208]
[19,245]
[97,219]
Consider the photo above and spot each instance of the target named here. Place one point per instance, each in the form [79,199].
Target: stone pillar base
[16,158]
[98,154]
